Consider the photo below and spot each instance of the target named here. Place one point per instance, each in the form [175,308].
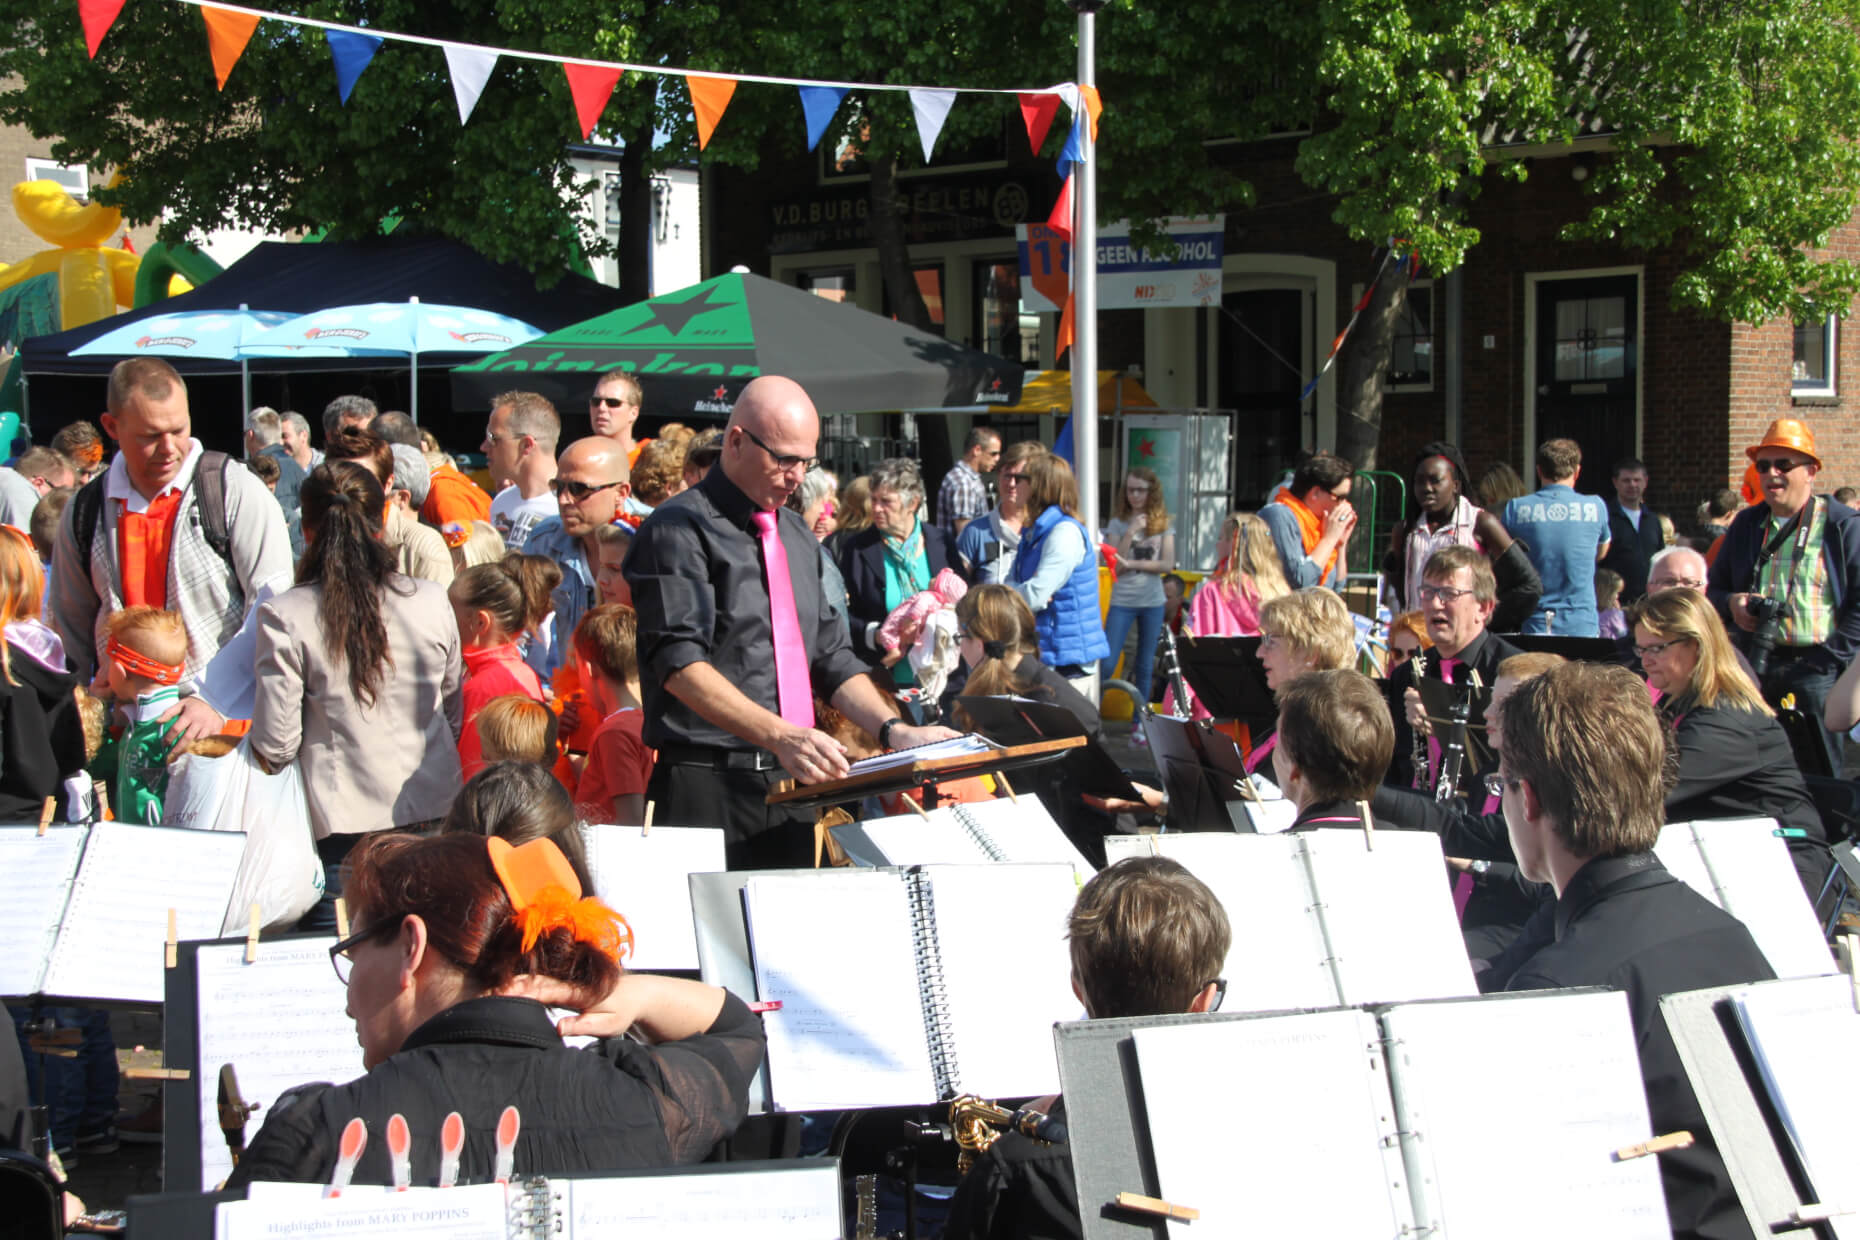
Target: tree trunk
[635,253]
[1363,367]
[894,252]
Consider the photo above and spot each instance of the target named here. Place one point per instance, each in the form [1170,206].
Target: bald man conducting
[735,640]
[591,485]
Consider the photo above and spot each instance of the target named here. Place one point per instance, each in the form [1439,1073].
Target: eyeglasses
[577,491]
[1658,647]
[612,402]
[1013,479]
[1220,992]
[1681,583]
[1446,594]
[1765,464]
[1496,784]
[783,463]
[1401,654]
[339,957]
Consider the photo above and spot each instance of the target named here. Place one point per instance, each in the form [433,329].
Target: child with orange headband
[145,652]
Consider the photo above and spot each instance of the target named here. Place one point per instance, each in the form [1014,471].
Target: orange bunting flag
[98,16]
[1093,106]
[1038,111]
[227,34]
[1062,340]
[592,86]
[709,97]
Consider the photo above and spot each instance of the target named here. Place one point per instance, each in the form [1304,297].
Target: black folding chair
[32,1201]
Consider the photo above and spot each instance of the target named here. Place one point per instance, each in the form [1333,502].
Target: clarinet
[1453,753]
[1417,753]
[1173,670]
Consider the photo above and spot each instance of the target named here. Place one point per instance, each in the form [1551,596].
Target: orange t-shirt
[142,542]
[619,764]
[454,497]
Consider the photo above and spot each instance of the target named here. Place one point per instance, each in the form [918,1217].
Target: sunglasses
[612,402]
[1765,464]
[577,491]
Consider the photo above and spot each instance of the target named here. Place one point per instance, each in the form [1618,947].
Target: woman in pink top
[492,608]
[1227,603]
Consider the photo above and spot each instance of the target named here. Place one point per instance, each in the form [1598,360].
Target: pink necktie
[1433,740]
[791,683]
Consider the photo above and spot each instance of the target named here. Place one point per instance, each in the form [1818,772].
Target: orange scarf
[1310,529]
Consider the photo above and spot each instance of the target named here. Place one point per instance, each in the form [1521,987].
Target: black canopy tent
[300,278]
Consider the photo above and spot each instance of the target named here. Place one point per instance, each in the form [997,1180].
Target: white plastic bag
[280,871]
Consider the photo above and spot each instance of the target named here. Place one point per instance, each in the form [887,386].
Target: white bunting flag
[932,109]
[471,69]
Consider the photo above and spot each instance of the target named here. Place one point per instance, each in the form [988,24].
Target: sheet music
[478,1212]
[1274,1127]
[112,943]
[954,747]
[911,839]
[836,950]
[1793,1028]
[1570,1095]
[645,877]
[278,1021]
[35,882]
[1389,915]
[791,1203]
[1024,831]
[1757,883]
[1678,850]
[1277,957]
[1007,972]
[1271,817]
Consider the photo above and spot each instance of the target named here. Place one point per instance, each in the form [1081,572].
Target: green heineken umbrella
[693,350]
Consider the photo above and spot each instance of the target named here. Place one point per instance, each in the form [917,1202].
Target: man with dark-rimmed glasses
[1798,555]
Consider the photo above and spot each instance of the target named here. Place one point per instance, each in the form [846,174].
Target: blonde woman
[1249,576]
[1145,551]
[1734,757]
[1308,630]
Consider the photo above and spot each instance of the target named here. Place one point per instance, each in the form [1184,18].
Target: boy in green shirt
[145,652]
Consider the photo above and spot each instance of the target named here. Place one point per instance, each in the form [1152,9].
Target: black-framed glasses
[1496,784]
[1012,479]
[1446,594]
[339,957]
[1220,992]
[612,402]
[1658,647]
[1765,464]
[577,491]
[783,463]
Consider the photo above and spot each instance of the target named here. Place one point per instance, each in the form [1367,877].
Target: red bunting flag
[98,16]
[709,97]
[1038,111]
[227,34]
[1060,221]
[592,86]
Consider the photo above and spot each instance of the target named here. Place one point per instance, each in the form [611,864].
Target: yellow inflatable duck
[92,281]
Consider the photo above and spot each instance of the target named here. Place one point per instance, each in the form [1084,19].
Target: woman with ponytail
[358,678]
[459,942]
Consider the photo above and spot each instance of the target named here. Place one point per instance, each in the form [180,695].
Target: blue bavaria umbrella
[189,333]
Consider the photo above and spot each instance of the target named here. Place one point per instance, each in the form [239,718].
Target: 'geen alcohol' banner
[1128,277]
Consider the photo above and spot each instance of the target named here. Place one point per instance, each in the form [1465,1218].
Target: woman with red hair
[461,941]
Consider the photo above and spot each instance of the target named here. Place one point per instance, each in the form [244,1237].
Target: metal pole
[1085,294]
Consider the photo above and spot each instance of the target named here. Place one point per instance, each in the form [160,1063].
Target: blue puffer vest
[1070,628]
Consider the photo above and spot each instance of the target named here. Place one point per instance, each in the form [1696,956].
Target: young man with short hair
[963,496]
[1311,521]
[1566,535]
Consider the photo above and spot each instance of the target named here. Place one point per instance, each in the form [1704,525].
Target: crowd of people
[463,674]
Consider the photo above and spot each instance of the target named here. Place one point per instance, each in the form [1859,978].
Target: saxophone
[978,1124]
[1417,751]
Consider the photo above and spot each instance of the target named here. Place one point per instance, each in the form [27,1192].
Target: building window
[929,278]
[1813,371]
[832,283]
[1591,340]
[1411,355]
[74,177]
[1001,326]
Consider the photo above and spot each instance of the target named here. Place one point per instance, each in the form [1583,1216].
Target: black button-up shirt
[699,588]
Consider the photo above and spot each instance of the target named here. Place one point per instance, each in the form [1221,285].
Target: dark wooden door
[1588,357]
[1262,348]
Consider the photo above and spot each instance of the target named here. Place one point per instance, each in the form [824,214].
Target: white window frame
[63,174]
[1831,339]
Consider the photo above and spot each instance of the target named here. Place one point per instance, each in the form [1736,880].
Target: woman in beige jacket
[358,678]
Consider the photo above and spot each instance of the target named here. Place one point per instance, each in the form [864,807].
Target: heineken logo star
[675,316]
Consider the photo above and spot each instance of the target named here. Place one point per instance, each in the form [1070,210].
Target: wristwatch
[884,731]
[1478,869]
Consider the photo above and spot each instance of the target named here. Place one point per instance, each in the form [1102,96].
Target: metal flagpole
[1085,294]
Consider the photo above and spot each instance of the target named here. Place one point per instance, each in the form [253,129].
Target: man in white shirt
[519,450]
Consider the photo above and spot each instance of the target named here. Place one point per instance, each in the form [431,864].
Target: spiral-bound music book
[970,833]
[1745,868]
[907,986]
[645,877]
[1325,917]
[84,910]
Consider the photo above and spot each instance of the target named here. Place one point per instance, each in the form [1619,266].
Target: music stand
[1015,721]
[1438,699]
[1228,678]
[923,774]
[1203,772]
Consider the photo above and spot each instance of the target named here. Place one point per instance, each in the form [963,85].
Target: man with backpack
[173,526]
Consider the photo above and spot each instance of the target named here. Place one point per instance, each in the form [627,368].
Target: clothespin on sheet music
[645,828]
[1006,787]
[156,1074]
[251,934]
[1156,1206]
[1247,791]
[1659,1145]
[1369,826]
[342,918]
[1810,1213]
[174,939]
[1847,951]
[913,803]
[45,815]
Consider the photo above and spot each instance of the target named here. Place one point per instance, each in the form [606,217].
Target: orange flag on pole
[227,35]
[592,86]
[709,97]
[1093,106]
